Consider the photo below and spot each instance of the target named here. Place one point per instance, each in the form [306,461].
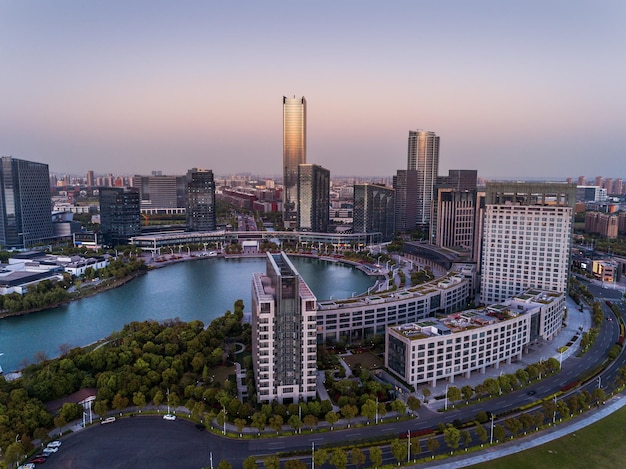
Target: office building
[405,185]
[374,210]
[201,200]
[294,154]
[459,179]
[160,192]
[427,351]
[423,156]
[454,219]
[120,217]
[527,233]
[313,198]
[284,343]
[26,217]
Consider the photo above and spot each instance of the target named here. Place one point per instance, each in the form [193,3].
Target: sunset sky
[513,89]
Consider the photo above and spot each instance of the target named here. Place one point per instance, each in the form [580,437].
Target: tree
[310,421]
[224,465]
[339,458]
[349,412]
[398,407]
[426,393]
[101,407]
[466,436]
[357,457]
[499,432]
[514,425]
[399,450]
[258,421]
[139,400]
[369,409]
[481,416]
[119,402]
[483,436]
[376,456]
[271,462]
[320,457]
[599,395]
[413,403]
[240,423]
[295,422]
[452,437]
[454,394]
[331,417]
[433,445]
[295,464]
[276,423]
[250,463]
[416,447]
[468,392]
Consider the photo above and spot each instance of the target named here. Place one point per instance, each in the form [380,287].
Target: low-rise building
[432,349]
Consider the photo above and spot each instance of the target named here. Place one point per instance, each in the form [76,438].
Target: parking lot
[140,442]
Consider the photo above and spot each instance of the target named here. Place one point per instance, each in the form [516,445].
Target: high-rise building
[405,185]
[201,200]
[284,337]
[374,210]
[423,156]
[294,154]
[90,178]
[313,198]
[454,219]
[459,179]
[120,217]
[161,192]
[26,208]
[527,234]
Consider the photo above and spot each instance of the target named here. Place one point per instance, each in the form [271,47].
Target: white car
[50,449]
[28,465]
[108,420]
[54,444]
[169,417]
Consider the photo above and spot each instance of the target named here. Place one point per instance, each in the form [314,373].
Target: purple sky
[514,89]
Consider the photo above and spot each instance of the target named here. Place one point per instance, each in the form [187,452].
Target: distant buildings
[374,210]
[313,198]
[284,338]
[294,154]
[25,207]
[527,232]
[201,200]
[120,217]
[603,224]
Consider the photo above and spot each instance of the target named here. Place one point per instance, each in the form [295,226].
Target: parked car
[49,451]
[169,417]
[108,420]
[54,444]
[38,460]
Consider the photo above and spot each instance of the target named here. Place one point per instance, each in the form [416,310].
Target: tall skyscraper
[120,217]
[284,333]
[201,200]
[294,154]
[527,234]
[90,178]
[313,198]
[423,156]
[26,216]
[374,210]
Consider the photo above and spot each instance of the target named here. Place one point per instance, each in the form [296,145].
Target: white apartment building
[434,349]
[526,238]
[284,344]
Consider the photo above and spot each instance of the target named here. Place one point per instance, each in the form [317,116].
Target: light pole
[312,455]
[554,413]
[491,437]
[408,446]
[224,411]
[446,400]
[376,410]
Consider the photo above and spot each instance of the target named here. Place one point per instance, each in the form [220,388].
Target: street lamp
[491,438]
[446,401]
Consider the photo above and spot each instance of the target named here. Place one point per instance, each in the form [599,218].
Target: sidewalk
[576,323]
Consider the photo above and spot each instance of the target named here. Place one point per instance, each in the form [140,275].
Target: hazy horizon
[514,90]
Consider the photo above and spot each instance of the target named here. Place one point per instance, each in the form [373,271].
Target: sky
[514,89]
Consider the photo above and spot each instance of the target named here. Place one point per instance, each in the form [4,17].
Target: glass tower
[120,217]
[26,213]
[201,200]
[313,198]
[423,156]
[294,154]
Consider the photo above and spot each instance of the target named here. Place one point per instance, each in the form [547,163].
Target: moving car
[54,444]
[108,420]
[169,417]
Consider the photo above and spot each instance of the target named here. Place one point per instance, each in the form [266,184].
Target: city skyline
[513,90]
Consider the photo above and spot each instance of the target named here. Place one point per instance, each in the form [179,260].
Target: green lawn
[602,445]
